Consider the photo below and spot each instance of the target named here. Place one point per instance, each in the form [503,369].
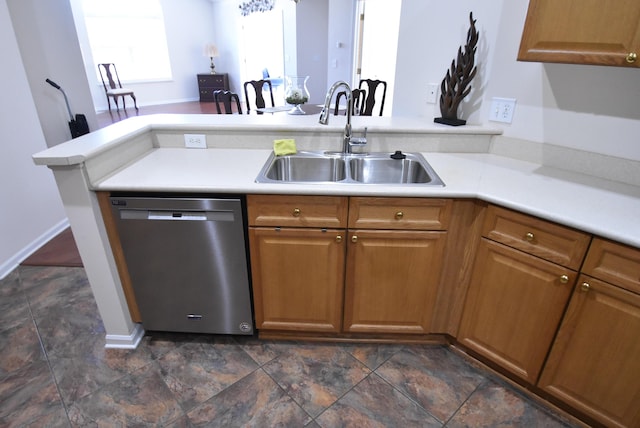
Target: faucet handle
[359,141]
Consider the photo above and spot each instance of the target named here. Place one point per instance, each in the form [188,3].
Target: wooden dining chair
[112,86]
[359,96]
[258,88]
[372,86]
[226,98]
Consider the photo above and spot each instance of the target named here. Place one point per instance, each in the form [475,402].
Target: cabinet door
[392,279]
[298,277]
[513,308]
[601,32]
[594,364]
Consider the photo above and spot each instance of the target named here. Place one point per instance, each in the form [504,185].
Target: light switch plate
[195,141]
[502,109]
[432,93]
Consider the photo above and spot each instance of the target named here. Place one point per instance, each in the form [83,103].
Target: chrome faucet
[347,139]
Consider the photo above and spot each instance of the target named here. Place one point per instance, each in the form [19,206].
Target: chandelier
[248,7]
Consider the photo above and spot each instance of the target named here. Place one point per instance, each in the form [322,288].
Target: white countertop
[145,153]
[601,207]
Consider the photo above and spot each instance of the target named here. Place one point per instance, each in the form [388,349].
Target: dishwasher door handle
[177,215]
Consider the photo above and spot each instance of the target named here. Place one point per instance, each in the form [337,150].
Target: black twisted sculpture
[455,85]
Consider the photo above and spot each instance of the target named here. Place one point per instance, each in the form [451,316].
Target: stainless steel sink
[385,170]
[304,167]
[311,167]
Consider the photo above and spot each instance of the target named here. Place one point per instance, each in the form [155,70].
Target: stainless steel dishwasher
[187,261]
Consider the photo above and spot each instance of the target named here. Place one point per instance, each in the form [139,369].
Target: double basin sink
[349,168]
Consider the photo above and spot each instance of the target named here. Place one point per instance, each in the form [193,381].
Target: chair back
[359,96]
[258,87]
[226,98]
[106,72]
[372,86]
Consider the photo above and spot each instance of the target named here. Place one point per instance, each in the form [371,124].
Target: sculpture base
[450,122]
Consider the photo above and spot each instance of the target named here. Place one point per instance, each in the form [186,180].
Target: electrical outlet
[195,141]
[432,93]
[502,109]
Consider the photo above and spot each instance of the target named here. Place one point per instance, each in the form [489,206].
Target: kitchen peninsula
[147,154]
[487,197]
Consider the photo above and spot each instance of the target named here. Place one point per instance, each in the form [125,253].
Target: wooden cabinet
[393,263]
[382,274]
[520,285]
[208,83]
[594,364]
[298,277]
[297,261]
[600,32]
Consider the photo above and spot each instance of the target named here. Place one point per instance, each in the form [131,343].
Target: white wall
[49,48]
[224,21]
[312,37]
[189,25]
[429,38]
[593,108]
[30,207]
[590,108]
[340,41]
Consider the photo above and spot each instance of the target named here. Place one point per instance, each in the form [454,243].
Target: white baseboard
[120,341]
[8,266]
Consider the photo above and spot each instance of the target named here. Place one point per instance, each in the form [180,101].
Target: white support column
[88,228]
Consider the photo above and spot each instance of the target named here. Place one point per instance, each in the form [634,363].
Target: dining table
[309,109]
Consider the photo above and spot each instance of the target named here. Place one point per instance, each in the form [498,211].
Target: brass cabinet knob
[585,286]
[529,236]
[564,279]
[354,238]
[339,238]
[399,215]
[632,57]
[296,212]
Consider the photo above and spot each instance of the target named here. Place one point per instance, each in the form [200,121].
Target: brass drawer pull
[399,215]
[354,238]
[564,279]
[632,57]
[529,237]
[585,287]
[339,238]
[296,212]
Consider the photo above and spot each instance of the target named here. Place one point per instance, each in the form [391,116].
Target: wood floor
[60,251]
[193,107]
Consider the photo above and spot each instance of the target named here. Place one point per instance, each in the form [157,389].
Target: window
[130,34]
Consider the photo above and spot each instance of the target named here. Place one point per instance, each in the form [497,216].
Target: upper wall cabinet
[599,32]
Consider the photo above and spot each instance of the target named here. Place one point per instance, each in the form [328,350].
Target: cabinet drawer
[213,80]
[614,263]
[547,240]
[399,213]
[297,211]
[206,94]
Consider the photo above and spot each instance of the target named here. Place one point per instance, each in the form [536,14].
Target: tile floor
[55,372]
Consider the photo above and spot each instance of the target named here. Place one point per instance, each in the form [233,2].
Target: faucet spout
[324,115]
